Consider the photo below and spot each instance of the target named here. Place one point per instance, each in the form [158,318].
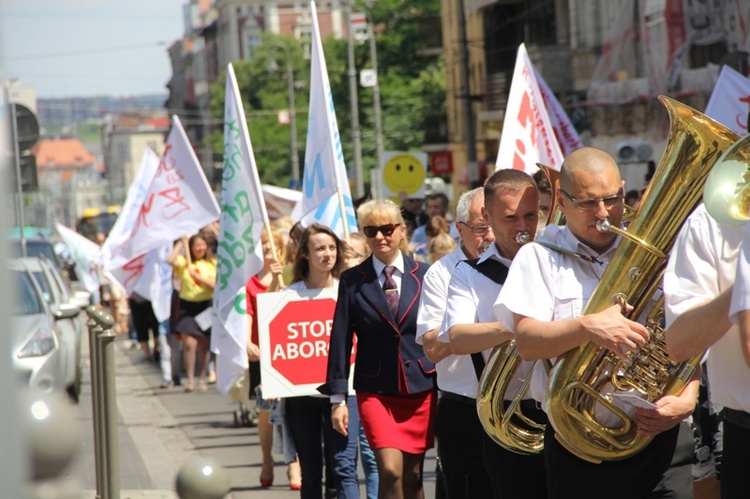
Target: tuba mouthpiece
[522,237]
[603,225]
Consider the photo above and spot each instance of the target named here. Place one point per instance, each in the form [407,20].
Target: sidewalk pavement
[160,429]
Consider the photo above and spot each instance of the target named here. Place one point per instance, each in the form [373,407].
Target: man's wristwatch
[334,405]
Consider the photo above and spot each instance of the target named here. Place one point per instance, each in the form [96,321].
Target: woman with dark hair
[197,273]
[319,261]
[395,382]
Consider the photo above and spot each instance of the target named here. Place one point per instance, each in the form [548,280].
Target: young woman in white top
[317,265]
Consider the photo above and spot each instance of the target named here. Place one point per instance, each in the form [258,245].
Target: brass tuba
[583,380]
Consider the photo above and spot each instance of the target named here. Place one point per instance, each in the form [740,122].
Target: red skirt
[401,422]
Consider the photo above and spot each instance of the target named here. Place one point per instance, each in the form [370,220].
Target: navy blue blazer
[387,351]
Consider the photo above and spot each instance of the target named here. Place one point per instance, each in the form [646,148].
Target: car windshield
[42,249]
[28,299]
[41,280]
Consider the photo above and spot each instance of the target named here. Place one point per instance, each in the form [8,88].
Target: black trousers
[735,473]
[474,466]
[661,470]
[516,476]
[143,316]
[460,438]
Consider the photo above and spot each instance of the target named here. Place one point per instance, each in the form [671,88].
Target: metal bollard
[202,478]
[108,391]
[94,330]
[104,403]
[54,439]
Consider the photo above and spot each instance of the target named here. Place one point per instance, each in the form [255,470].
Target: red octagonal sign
[299,336]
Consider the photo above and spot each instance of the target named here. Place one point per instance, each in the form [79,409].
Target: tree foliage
[412,88]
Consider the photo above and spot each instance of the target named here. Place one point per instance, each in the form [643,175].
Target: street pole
[19,183]
[293,122]
[470,141]
[375,94]
[359,183]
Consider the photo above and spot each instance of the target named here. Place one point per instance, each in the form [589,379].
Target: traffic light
[26,134]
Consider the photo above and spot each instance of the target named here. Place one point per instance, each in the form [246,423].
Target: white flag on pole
[528,137]
[119,236]
[240,252]
[179,200]
[155,283]
[87,256]
[565,133]
[325,171]
[730,100]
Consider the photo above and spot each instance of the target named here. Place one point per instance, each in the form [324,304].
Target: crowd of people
[427,297]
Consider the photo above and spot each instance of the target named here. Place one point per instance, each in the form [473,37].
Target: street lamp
[272,66]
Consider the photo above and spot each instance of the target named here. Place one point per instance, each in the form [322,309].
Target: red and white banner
[179,200]
[566,134]
[730,100]
[528,137]
[664,38]
[295,329]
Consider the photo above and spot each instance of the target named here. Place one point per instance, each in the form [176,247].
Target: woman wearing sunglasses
[395,383]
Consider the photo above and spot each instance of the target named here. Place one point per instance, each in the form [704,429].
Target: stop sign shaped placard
[299,336]
[294,332]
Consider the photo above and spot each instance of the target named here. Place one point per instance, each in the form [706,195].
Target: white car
[35,344]
[67,317]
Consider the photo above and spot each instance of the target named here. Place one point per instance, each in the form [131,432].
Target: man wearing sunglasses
[457,428]
[511,209]
[542,302]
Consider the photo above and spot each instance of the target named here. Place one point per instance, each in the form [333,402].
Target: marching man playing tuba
[542,302]
[511,208]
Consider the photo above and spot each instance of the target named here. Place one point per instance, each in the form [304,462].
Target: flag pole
[342,207]
[267,226]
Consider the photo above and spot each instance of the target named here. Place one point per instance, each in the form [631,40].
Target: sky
[67,48]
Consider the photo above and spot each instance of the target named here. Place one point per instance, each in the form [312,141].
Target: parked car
[68,316]
[35,343]
[43,246]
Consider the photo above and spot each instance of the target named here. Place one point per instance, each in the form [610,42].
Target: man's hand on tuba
[615,332]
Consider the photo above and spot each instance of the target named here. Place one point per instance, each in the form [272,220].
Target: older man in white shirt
[458,436]
[698,286]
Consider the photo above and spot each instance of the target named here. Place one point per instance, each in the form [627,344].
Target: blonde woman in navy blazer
[394,381]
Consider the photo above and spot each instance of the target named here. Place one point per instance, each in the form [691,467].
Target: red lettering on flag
[176,200]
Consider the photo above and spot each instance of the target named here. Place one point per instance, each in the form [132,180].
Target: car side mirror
[67,311]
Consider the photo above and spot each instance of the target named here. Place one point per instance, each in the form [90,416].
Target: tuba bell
[586,380]
[727,191]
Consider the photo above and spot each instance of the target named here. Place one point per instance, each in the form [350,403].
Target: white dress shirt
[455,373]
[702,264]
[549,285]
[397,275]
[471,299]
[741,292]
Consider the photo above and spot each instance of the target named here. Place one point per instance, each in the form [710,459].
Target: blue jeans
[309,422]
[368,458]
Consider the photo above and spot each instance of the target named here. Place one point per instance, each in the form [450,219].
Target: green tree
[411,76]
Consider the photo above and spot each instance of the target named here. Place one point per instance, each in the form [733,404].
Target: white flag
[565,133]
[179,200]
[730,100]
[119,236]
[240,252]
[528,137]
[231,361]
[155,283]
[325,171]
[87,256]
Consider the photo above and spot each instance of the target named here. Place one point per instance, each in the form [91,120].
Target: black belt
[459,399]
[737,418]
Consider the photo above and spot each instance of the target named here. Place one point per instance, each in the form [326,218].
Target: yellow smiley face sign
[404,172]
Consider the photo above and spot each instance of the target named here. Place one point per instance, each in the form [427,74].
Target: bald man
[542,303]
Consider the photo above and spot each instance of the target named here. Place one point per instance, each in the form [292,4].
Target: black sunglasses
[372,231]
